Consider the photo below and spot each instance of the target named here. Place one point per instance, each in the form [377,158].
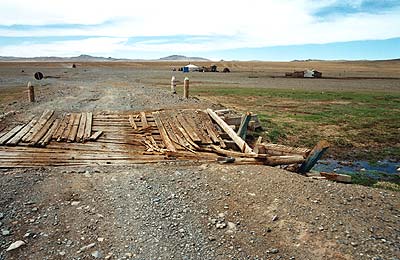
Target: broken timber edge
[315,154]
[243,146]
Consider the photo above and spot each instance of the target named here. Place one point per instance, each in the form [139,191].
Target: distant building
[190,68]
[304,74]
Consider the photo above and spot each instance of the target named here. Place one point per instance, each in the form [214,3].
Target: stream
[379,171]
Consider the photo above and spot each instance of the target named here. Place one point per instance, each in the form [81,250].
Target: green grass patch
[348,119]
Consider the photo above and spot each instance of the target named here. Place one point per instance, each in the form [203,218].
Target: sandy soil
[175,210]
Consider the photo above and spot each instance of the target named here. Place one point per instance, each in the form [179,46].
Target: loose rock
[15,245]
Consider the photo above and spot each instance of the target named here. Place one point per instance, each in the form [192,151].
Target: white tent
[309,73]
[192,67]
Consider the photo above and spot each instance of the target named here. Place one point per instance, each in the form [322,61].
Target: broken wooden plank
[36,138]
[242,131]
[167,141]
[88,126]
[336,177]
[96,135]
[188,128]
[17,138]
[314,156]
[47,138]
[208,126]
[74,129]
[68,128]
[132,122]
[10,134]
[144,120]
[170,120]
[81,128]
[193,119]
[61,128]
[243,146]
[38,126]
[185,135]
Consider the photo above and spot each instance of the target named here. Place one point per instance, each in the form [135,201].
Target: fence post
[186,88]
[31,92]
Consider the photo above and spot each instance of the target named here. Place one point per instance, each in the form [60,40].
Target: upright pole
[173,85]
[31,92]
[186,88]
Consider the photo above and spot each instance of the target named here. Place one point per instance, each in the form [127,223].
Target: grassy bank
[359,125]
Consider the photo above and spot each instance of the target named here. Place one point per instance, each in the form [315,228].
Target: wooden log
[81,128]
[39,135]
[88,126]
[95,136]
[219,150]
[31,92]
[10,134]
[132,122]
[283,149]
[259,149]
[336,177]
[47,138]
[167,141]
[314,156]
[47,114]
[283,160]
[186,88]
[243,146]
[242,131]
[74,129]
[17,138]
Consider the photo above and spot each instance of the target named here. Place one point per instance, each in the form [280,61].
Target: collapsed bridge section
[123,138]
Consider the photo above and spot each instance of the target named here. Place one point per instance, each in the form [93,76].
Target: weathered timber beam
[244,147]
[283,160]
[336,177]
[242,131]
[315,154]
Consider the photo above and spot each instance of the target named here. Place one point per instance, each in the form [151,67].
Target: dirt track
[180,210]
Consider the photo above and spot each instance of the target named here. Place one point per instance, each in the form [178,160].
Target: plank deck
[110,138]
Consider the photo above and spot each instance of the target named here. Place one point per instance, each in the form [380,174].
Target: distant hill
[80,58]
[183,58]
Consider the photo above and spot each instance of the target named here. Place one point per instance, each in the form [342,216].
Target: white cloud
[230,24]
[94,46]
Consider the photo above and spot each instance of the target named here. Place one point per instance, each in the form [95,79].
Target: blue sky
[230,30]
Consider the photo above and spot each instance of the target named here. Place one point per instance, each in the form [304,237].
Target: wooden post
[314,156]
[173,85]
[186,88]
[31,92]
[242,131]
